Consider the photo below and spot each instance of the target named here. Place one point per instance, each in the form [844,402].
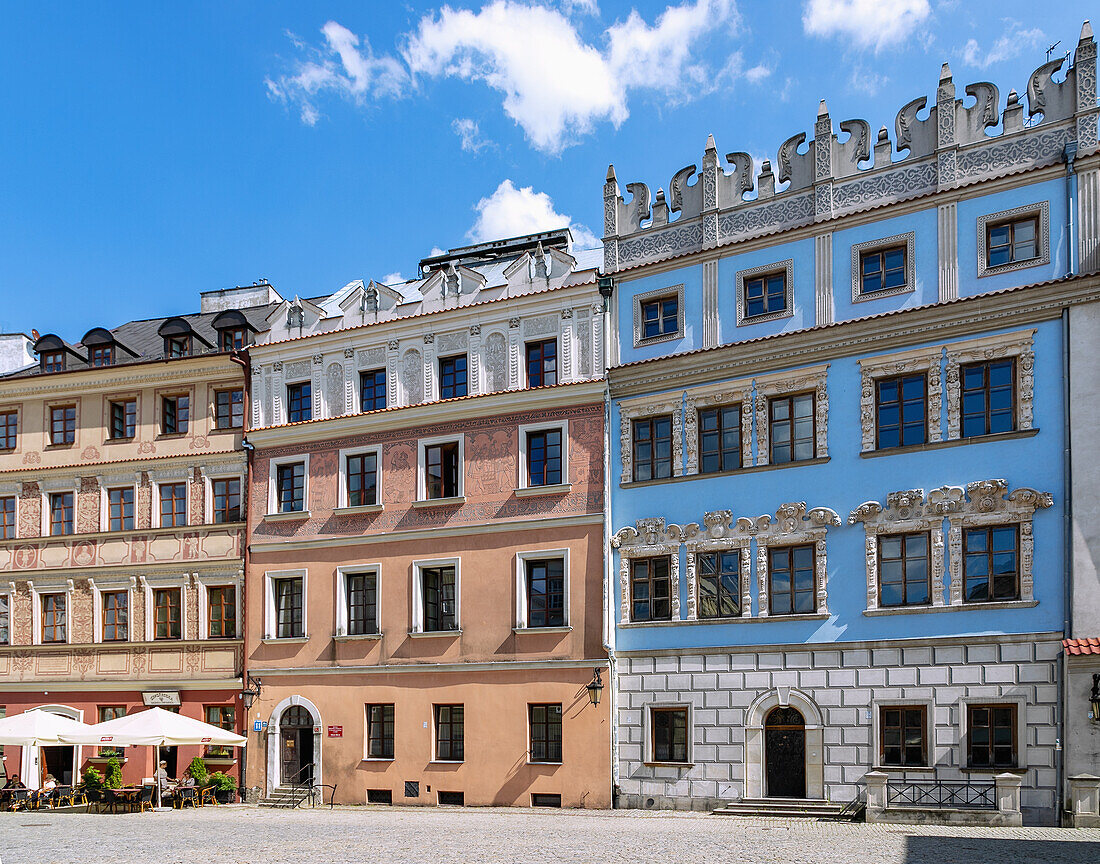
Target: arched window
[297,717]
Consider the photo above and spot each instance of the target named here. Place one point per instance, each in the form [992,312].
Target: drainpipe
[1067,560]
[1069,153]
[241,358]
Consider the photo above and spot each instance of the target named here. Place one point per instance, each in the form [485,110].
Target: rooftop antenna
[1050,50]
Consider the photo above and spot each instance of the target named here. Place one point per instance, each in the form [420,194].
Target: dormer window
[54,361]
[232,340]
[102,355]
[179,338]
[232,328]
[101,345]
[177,346]
[51,351]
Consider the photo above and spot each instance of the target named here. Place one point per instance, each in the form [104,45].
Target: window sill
[961,607]
[1018,771]
[129,440]
[656,340]
[433,634]
[377,759]
[953,442]
[228,430]
[447,762]
[1011,266]
[552,489]
[543,762]
[864,296]
[169,435]
[565,629]
[453,501]
[284,640]
[905,769]
[64,445]
[669,764]
[755,619]
[750,469]
[355,511]
[358,637]
[122,760]
[289,516]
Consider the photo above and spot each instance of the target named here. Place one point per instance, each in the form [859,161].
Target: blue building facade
[838,485]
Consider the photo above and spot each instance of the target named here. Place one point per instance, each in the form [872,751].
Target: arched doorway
[296,746]
[785,753]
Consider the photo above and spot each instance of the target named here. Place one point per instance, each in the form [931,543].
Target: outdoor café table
[128,795]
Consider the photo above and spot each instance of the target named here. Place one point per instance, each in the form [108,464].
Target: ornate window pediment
[926,360]
[793,524]
[711,396]
[649,538]
[720,534]
[650,406]
[810,378]
[1018,345]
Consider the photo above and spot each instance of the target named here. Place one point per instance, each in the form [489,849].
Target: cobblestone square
[245,835]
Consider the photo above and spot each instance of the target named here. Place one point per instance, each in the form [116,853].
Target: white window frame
[418,596]
[648,754]
[13,491]
[341,616]
[50,487]
[1040,209]
[656,294]
[270,618]
[524,480]
[209,475]
[521,587]
[169,580]
[422,445]
[7,592]
[342,479]
[112,585]
[272,489]
[1022,760]
[118,481]
[38,589]
[156,483]
[204,582]
[366,733]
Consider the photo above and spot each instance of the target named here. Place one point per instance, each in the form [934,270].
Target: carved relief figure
[334,389]
[496,363]
[412,376]
[491,466]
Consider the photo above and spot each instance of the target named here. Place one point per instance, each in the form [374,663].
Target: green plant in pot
[197,769]
[113,774]
[224,786]
[92,783]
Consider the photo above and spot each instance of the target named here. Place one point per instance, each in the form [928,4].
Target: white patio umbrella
[38,728]
[154,728]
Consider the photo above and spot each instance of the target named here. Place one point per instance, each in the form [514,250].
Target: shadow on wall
[939,850]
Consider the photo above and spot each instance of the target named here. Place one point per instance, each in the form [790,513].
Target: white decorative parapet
[979,805]
[1084,800]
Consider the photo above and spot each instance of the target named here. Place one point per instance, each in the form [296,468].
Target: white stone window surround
[107,482]
[342,479]
[720,534]
[521,587]
[38,588]
[341,618]
[7,593]
[906,512]
[168,477]
[1040,209]
[754,740]
[422,446]
[50,486]
[1023,759]
[929,706]
[787,269]
[152,582]
[227,472]
[203,583]
[644,408]
[648,752]
[273,489]
[713,396]
[1017,344]
[14,490]
[793,525]
[638,300]
[909,241]
[986,505]
[522,481]
[650,538]
[927,360]
[790,383]
[270,618]
[418,596]
[110,585]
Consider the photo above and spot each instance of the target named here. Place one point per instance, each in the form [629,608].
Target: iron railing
[959,794]
[856,808]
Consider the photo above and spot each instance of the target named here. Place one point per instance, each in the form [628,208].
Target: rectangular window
[167,613]
[791,574]
[116,615]
[372,390]
[173,504]
[53,618]
[229,409]
[991,563]
[102,355]
[7,517]
[902,729]
[362,479]
[123,419]
[224,717]
[719,439]
[290,487]
[299,402]
[904,572]
[437,586]
[660,317]
[362,600]
[652,445]
[103,714]
[233,339]
[61,513]
[441,470]
[5,619]
[1012,241]
[449,733]
[881,270]
[177,346]
[988,397]
[792,428]
[991,730]
[175,415]
[766,294]
[9,427]
[120,509]
[719,584]
[221,612]
[546,593]
[380,731]
[53,361]
[650,589]
[452,376]
[542,363]
[900,410]
[62,424]
[545,732]
[669,726]
[227,499]
[288,608]
[544,458]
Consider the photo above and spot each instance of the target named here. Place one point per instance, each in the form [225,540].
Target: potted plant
[92,784]
[224,786]
[113,775]
[197,769]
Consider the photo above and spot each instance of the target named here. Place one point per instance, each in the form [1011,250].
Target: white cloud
[866,81]
[757,73]
[470,134]
[580,7]
[510,212]
[1013,41]
[392,279]
[555,84]
[867,23]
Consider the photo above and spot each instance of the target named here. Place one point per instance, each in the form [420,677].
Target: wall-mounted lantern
[595,687]
[1094,699]
[248,695]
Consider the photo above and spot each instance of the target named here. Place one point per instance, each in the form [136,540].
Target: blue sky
[169,148]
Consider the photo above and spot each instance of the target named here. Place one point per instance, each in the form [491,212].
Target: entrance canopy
[155,727]
[38,728]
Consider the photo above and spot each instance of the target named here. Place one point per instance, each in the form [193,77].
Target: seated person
[49,783]
[14,783]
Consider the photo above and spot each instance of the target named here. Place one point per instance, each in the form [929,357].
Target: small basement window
[543,800]
[379,796]
[454,799]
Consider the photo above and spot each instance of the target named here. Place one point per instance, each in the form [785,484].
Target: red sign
[335,731]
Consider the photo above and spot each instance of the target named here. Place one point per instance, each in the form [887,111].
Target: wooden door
[785,753]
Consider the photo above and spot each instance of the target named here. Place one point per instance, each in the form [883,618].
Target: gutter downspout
[1069,153]
[242,359]
[608,606]
[1067,563]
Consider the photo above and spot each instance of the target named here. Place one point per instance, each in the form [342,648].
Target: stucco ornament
[811,379]
[793,524]
[721,534]
[648,538]
[496,362]
[649,407]
[922,360]
[1018,345]
[412,376]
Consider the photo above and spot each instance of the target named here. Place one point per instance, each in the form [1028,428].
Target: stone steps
[282,798]
[782,807]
